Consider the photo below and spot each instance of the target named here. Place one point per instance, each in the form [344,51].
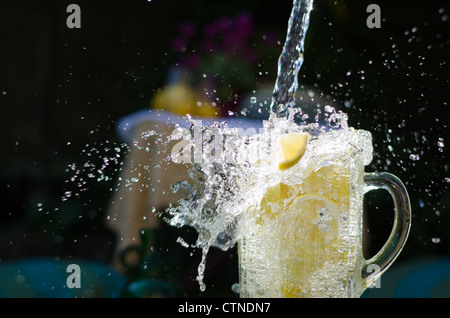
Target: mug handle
[374,267]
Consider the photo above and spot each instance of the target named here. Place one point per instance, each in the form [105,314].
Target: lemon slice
[292,148]
[309,225]
[274,202]
[315,219]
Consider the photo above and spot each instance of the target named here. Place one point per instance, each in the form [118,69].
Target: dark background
[63,90]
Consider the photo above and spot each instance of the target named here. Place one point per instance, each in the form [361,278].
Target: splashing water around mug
[290,196]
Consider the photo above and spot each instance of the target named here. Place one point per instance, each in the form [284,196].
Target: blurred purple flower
[244,24]
[179,44]
[208,46]
[188,29]
[223,24]
[232,41]
[203,50]
[190,61]
[210,30]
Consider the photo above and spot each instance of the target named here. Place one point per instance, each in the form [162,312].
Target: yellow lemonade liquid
[303,238]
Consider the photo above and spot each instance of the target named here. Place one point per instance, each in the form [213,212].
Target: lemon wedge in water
[292,148]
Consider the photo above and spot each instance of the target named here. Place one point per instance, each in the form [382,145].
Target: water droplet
[328,109]
[281,108]
[253,100]
[182,242]
[235,288]
[147,134]
[414,157]
[435,240]
[421,203]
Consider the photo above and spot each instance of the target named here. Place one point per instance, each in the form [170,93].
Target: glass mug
[304,239]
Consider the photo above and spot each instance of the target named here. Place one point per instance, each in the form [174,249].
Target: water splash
[236,170]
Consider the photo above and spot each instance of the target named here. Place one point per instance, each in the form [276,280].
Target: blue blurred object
[424,277]
[47,278]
